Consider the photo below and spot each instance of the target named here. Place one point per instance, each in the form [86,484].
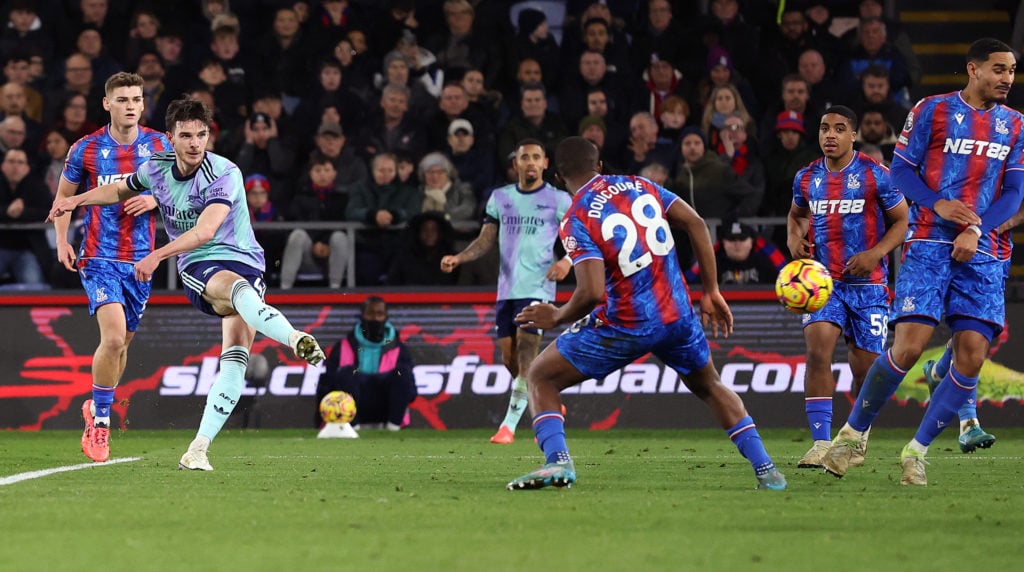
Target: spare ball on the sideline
[337,407]
[803,286]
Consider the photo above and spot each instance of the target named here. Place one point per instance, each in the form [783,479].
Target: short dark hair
[576,156]
[981,49]
[369,301]
[532,86]
[187,109]
[875,70]
[846,112]
[531,141]
[122,79]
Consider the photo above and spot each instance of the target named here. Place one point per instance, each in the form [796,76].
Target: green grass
[427,500]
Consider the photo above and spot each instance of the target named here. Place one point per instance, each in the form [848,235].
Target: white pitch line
[47,472]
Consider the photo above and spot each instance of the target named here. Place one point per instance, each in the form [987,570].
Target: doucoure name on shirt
[602,197]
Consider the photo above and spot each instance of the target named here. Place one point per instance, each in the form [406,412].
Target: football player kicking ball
[955,261]
[849,201]
[202,202]
[618,234]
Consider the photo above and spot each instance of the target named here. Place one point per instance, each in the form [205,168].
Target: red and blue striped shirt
[110,233]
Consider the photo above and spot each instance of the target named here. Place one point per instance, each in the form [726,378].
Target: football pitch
[424,500]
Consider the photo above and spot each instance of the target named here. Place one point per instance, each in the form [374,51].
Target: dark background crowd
[404,113]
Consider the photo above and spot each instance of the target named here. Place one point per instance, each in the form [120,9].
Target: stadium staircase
[941,31]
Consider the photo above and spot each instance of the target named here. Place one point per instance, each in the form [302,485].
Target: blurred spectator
[724,101]
[230,109]
[423,66]
[675,112]
[533,40]
[875,152]
[427,240]
[597,37]
[399,17]
[616,132]
[12,136]
[875,49]
[73,120]
[593,73]
[459,47]
[743,158]
[484,101]
[380,203]
[406,169]
[594,129]
[812,68]
[708,183]
[656,173]
[443,192]
[177,75]
[331,143]
[780,50]
[56,145]
[262,209]
[894,32]
[155,92]
[644,146]
[742,256]
[25,32]
[533,122]
[283,57]
[328,92]
[311,250]
[265,152]
[12,103]
[329,22]
[662,80]
[77,79]
[16,71]
[393,129]
[90,44]
[875,130]
[356,69]
[574,36]
[225,49]
[23,253]
[725,27]
[142,33]
[468,158]
[454,104]
[111,25]
[721,73]
[789,152]
[875,92]
[396,71]
[658,33]
[373,366]
[796,96]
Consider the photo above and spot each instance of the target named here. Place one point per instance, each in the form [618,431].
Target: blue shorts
[505,315]
[195,276]
[861,312]
[113,282]
[597,349]
[931,285]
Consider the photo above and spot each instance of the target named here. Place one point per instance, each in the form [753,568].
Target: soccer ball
[803,286]
[337,407]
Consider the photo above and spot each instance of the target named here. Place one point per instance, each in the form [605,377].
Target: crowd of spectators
[379,111]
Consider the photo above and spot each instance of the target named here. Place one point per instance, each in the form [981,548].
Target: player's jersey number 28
[646,218]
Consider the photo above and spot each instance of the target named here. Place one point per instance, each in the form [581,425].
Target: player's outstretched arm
[480,246]
[209,221]
[797,222]
[714,310]
[863,263]
[103,195]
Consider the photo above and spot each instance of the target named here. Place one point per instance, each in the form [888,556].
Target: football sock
[941,367]
[267,319]
[819,417]
[917,446]
[969,410]
[102,399]
[225,391]
[516,404]
[549,427]
[746,438]
[881,382]
[948,397]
